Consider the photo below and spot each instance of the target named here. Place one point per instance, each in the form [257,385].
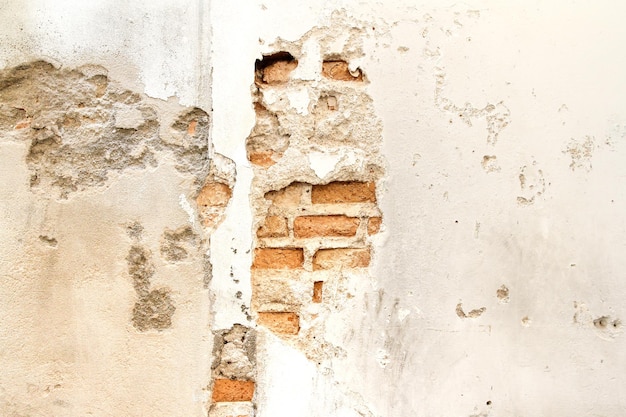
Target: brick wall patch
[314,223]
[229,390]
[333,225]
[278,258]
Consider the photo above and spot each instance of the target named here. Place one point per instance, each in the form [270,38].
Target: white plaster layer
[160,46]
[505,140]
[457,229]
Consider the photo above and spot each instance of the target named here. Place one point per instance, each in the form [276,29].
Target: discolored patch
[140,268]
[154,311]
[175,244]
[82,128]
[154,308]
[475,313]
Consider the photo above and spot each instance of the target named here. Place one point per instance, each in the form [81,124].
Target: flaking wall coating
[233,372]
[82,130]
[114,186]
[315,153]
[502,129]
[485,202]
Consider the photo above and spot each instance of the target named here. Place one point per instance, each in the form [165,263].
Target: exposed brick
[259,108]
[317,291]
[311,226]
[214,194]
[373,225]
[273,226]
[23,124]
[344,192]
[228,390]
[341,258]
[191,129]
[263,159]
[278,72]
[290,196]
[278,258]
[279,322]
[275,69]
[338,70]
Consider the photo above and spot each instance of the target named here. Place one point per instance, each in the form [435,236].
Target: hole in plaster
[275,68]
[601,322]
[331,101]
[339,70]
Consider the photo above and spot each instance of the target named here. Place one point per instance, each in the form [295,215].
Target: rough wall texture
[482,269]
[315,152]
[106,194]
[338,208]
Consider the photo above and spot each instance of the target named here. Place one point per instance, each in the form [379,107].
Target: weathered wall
[105,304]
[332,209]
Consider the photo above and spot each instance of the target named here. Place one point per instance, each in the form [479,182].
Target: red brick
[279,72]
[317,291]
[228,390]
[279,322]
[274,69]
[344,192]
[214,194]
[339,70]
[278,258]
[273,226]
[191,129]
[341,258]
[311,226]
[373,225]
[263,159]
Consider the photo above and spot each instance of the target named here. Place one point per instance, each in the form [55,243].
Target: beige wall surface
[338,208]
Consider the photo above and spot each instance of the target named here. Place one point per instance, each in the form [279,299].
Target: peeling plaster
[496,158]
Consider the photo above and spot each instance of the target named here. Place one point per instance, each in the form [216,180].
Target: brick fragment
[228,390]
[273,226]
[373,225]
[212,201]
[344,192]
[317,291]
[23,124]
[278,258]
[278,72]
[191,128]
[275,68]
[339,70]
[214,194]
[341,258]
[311,226]
[288,197]
[280,322]
[263,159]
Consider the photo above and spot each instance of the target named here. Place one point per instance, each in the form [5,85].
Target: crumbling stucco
[234,353]
[84,130]
[117,223]
[477,274]
[315,152]
[233,371]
